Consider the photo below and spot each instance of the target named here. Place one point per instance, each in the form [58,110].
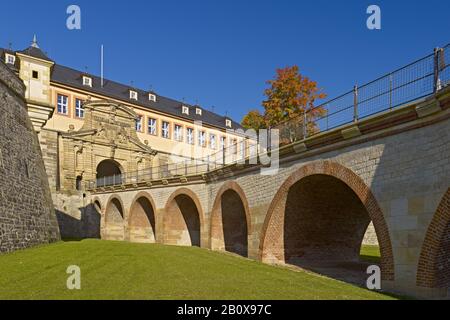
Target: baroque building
[92,128]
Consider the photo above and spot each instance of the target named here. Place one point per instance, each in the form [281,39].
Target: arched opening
[108,173]
[78,183]
[318,220]
[229,222]
[324,220]
[434,263]
[114,220]
[98,206]
[142,221]
[182,221]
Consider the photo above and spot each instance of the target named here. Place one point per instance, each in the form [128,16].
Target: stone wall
[27,217]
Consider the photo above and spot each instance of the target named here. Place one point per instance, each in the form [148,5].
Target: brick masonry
[434,263]
[27,215]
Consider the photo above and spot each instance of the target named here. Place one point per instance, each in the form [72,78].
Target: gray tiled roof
[35,52]
[73,78]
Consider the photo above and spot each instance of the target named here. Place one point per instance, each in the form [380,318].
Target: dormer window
[185,110]
[10,59]
[228,123]
[133,95]
[87,81]
[198,111]
[152,97]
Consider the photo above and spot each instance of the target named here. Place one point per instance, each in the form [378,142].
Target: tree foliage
[253,120]
[290,95]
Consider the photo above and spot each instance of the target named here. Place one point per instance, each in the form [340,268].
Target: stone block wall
[27,217]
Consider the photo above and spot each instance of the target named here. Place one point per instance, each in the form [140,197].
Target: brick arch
[142,219]
[435,253]
[97,199]
[110,202]
[114,229]
[171,209]
[217,237]
[272,231]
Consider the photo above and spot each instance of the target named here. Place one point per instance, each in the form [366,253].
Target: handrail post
[390,90]
[437,81]
[305,130]
[355,103]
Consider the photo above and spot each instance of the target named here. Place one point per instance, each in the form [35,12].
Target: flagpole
[101,63]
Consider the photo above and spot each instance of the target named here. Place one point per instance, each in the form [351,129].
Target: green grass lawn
[120,270]
[370,254]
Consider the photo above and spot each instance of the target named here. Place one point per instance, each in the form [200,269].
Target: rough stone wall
[77,216]
[48,141]
[27,217]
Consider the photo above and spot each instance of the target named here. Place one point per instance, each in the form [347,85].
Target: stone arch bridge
[391,169]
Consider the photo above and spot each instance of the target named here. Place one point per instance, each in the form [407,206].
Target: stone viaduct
[391,169]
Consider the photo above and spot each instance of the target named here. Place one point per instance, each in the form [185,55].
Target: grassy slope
[371,253]
[119,270]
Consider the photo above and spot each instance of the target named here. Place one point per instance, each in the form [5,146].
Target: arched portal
[114,220]
[434,263]
[230,220]
[98,206]
[318,219]
[109,173]
[142,225]
[183,219]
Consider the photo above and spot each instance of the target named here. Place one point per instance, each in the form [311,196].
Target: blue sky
[220,53]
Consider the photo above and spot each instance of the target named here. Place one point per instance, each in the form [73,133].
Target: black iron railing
[414,81]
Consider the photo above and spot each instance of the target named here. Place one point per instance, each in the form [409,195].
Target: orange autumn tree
[253,120]
[289,96]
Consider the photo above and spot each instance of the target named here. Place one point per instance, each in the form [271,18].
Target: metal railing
[414,81]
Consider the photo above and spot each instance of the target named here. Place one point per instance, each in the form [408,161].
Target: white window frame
[190,135]
[165,129]
[202,138]
[185,110]
[228,123]
[79,109]
[223,142]
[152,97]
[133,95]
[87,81]
[178,132]
[242,148]
[139,123]
[212,141]
[233,146]
[63,104]
[198,111]
[8,56]
[152,126]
